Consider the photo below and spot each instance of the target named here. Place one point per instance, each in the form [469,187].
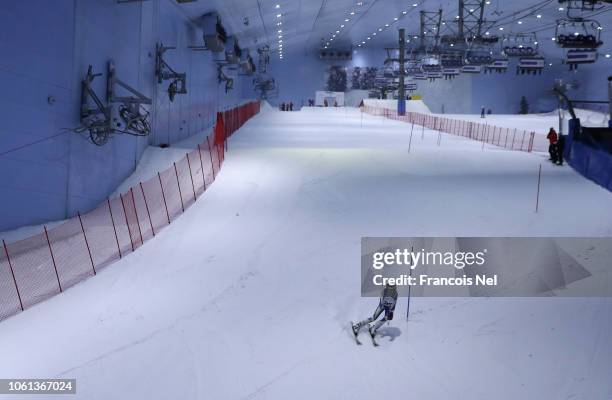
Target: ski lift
[578,33]
[520,45]
[499,65]
[575,57]
[530,65]
[478,54]
[471,69]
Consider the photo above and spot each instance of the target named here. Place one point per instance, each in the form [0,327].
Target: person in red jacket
[552,147]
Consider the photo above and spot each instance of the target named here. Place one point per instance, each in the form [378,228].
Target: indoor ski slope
[249,293]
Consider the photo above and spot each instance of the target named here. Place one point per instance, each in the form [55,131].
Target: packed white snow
[249,294]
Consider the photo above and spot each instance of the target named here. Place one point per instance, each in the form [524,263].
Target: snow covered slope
[539,123]
[411,105]
[249,293]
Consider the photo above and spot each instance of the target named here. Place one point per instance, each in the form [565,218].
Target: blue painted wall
[46,47]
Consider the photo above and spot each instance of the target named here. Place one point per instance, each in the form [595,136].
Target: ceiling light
[561,8]
[379,29]
[342,26]
[539,16]
[607,55]
[280,40]
[369,38]
[280,31]
[487,33]
[414,4]
[337,31]
[346,20]
[362,42]
[501,29]
[352,12]
[358,45]
[277,6]
[553,39]
[404,12]
[487,2]
[452,45]
[535,43]
[278,15]
[520,22]
[279,23]
[386,25]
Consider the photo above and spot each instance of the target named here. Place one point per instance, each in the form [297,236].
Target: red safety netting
[40,266]
[508,138]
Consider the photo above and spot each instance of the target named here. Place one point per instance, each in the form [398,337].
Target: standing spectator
[560,148]
[552,147]
[290,106]
[489,112]
[325,103]
[482,112]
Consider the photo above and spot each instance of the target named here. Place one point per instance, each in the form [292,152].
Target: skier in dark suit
[388,299]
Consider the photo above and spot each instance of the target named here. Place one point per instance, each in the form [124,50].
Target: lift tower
[401,91]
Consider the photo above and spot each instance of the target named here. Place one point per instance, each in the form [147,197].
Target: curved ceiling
[308,25]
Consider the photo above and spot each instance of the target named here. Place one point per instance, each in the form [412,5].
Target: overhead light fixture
[539,16]
[607,55]
[278,15]
[279,23]
[561,9]
[369,38]
[414,5]
[337,31]
[277,6]
[374,34]
[379,29]
[280,31]
[501,28]
[520,22]
[346,20]
[342,26]
[352,12]
[386,25]
[553,39]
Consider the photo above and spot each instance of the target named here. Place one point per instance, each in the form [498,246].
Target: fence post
[538,193]
[410,142]
[86,243]
[202,167]
[136,212]
[506,141]
[161,186]
[147,207]
[114,228]
[513,137]
[191,176]
[212,163]
[179,187]
[8,258]
[523,139]
[53,259]
[127,223]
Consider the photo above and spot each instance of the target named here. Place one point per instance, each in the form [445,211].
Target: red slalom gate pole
[538,193]
[114,227]
[8,258]
[53,259]
[86,243]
